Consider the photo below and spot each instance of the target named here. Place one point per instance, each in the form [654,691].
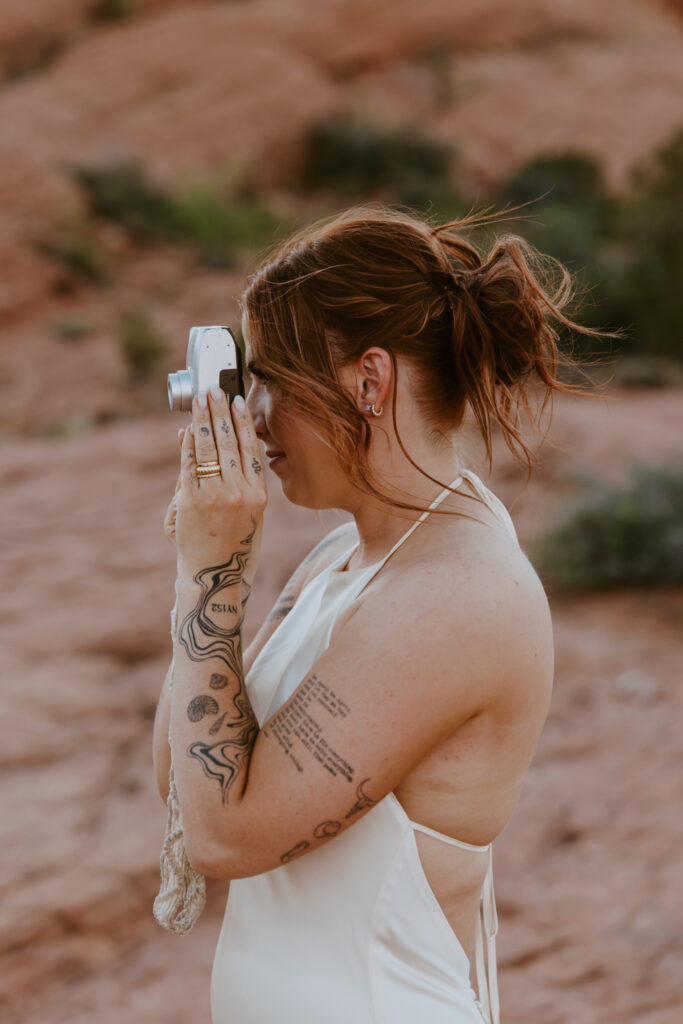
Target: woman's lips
[274,457]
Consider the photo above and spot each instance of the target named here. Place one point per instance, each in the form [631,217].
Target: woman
[350,772]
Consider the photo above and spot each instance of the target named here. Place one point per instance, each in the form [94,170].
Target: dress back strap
[448,839]
[485,936]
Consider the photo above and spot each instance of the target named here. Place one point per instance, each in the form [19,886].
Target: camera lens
[180,391]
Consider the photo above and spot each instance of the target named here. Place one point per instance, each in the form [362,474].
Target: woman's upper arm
[327,549]
[411,666]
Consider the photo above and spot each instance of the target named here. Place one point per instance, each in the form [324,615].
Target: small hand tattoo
[218,681]
[225,428]
[256,465]
[204,431]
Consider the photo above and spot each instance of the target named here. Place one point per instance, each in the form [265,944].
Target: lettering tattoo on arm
[300,720]
[201,637]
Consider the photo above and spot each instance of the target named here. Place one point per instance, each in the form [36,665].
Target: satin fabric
[351,933]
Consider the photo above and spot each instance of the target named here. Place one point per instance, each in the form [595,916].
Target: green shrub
[142,346]
[624,536]
[217,227]
[569,179]
[121,192]
[76,248]
[220,229]
[72,328]
[357,158]
[111,10]
[652,227]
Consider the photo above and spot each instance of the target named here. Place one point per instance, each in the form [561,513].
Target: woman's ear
[374,376]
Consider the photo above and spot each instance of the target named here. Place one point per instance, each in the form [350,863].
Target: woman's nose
[256,409]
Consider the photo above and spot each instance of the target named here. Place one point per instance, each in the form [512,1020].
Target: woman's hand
[217,516]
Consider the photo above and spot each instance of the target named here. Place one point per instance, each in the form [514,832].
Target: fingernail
[216,393]
[201,398]
[238,402]
[180,432]
[191,428]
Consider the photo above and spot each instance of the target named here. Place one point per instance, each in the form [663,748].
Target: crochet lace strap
[182,893]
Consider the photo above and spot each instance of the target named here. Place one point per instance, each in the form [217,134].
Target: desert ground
[589,877]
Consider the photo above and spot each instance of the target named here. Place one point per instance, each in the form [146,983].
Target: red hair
[476,330]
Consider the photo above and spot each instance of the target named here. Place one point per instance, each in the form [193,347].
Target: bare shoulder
[478,609]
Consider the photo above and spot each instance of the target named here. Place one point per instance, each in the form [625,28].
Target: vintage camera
[213,357]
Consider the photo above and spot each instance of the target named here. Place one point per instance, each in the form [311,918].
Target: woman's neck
[380,525]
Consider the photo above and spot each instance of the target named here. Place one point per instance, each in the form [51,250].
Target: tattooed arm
[412,667]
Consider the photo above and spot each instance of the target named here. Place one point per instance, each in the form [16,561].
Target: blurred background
[150,152]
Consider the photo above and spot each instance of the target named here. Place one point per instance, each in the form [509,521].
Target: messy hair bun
[504,327]
[476,330]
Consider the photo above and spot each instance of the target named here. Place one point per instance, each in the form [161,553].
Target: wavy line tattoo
[225,760]
[202,639]
[199,634]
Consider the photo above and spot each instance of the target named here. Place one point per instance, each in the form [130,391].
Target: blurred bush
[359,159]
[111,10]
[72,328]
[652,228]
[219,228]
[122,193]
[622,536]
[625,252]
[141,344]
[76,248]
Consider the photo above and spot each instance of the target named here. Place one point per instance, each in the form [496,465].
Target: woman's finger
[250,451]
[228,448]
[204,440]
[188,460]
[181,434]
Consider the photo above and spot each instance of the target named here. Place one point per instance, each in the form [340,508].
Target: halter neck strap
[411,529]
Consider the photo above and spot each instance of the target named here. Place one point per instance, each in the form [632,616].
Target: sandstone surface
[588,872]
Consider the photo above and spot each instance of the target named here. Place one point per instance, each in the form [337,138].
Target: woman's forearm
[213,726]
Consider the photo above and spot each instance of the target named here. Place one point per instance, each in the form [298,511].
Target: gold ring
[204,469]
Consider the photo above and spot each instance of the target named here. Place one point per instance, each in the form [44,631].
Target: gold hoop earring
[375,412]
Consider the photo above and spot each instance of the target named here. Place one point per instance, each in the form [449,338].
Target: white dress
[352,933]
